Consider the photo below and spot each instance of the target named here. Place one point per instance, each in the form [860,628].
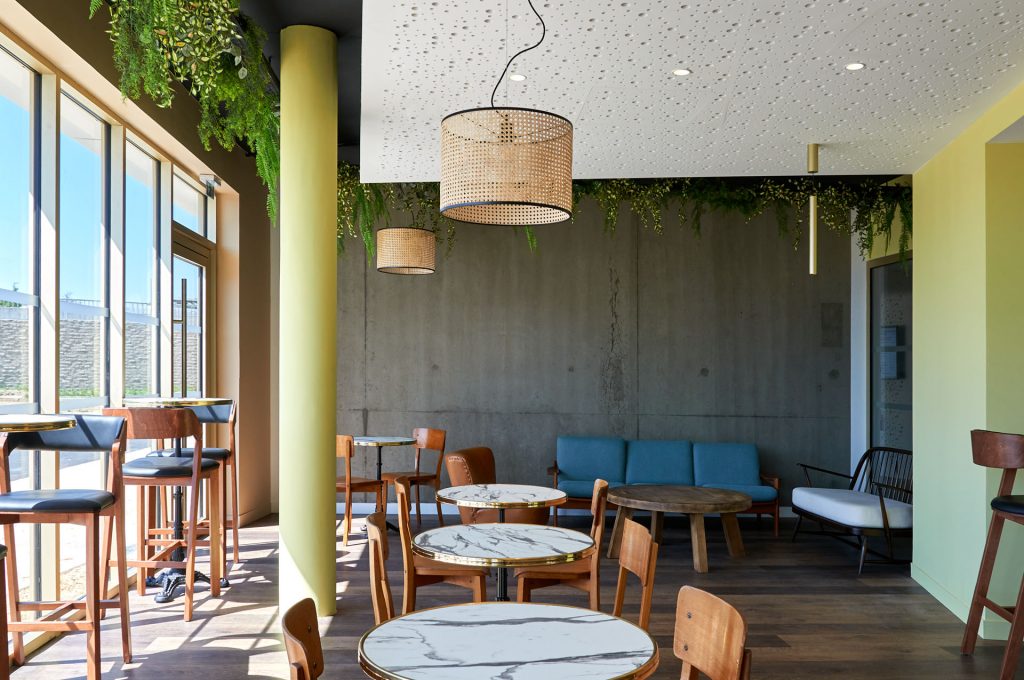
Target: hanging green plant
[866,207]
[216,53]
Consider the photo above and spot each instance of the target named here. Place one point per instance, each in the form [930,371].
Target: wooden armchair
[876,501]
[638,556]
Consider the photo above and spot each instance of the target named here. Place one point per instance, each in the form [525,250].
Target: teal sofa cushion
[578,488]
[590,458]
[651,461]
[759,493]
[715,464]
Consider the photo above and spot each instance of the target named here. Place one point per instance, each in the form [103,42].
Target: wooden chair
[1006,452]
[426,440]
[84,507]
[302,641]
[423,571]
[5,662]
[638,555]
[218,414]
[350,484]
[380,587]
[476,466]
[583,574]
[710,637]
[150,474]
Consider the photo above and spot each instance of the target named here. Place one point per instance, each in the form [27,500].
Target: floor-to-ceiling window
[19,291]
[141,266]
[891,344]
[84,246]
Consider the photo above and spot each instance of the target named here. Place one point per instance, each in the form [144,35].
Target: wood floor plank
[809,615]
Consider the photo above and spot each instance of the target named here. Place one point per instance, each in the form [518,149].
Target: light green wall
[964,363]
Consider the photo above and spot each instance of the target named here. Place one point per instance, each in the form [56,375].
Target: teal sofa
[581,460]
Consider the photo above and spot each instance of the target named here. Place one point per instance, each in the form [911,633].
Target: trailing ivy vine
[216,52]
[867,207]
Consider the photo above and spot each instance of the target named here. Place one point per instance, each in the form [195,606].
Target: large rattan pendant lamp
[507,165]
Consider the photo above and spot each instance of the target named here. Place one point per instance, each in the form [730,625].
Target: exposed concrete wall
[723,337]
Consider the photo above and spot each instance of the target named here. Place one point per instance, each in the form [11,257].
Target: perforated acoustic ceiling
[768,76]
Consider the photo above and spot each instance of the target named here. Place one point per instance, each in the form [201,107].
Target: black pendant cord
[544,32]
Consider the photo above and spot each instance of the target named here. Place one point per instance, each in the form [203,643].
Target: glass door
[189,282]
[891,346]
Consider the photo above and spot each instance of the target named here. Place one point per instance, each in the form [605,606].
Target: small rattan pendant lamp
[405,250]
[507,165]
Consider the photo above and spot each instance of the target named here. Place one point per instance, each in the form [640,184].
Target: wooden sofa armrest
[553,470]
[807,474]
[772,481]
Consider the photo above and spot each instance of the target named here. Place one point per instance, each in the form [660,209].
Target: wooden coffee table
[694,501]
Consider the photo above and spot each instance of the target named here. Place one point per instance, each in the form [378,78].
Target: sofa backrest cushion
[652,461]
[726,464]
[588,458]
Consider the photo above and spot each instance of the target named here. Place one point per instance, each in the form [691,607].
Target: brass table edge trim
[175,402]
[409,442]
[40,427]
[496,505]
[510,562]
[377,673]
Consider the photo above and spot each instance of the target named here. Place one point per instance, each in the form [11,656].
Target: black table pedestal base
[502,585]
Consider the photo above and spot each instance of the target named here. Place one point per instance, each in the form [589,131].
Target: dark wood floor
[809,616]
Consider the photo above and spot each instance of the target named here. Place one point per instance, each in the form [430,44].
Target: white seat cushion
[853,508]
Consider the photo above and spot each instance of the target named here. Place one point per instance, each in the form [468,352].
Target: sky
[82,237]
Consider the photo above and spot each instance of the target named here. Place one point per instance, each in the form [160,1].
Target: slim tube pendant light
[507,165]
[405,250]
[812,221]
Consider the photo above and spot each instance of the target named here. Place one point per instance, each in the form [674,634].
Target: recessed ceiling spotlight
[517,77]
[855,66]
[682,72]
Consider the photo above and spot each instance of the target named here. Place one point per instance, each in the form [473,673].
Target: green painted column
[308,315]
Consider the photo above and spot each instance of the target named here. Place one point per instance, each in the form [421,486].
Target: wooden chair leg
[419,520]
[122,583]
[190,559]
[480,589]
[223,493]
[107,524]
[863,553]
[18,650]
[5,666]
[346,522]
[1011,657]
[409,594]
[523,592]
[595,594]
[234,513]
[437,501]
[140,539]
[92,597]
[217,536]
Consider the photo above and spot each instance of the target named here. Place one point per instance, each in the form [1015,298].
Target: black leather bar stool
[220,414]
[1004,451]
[84,507]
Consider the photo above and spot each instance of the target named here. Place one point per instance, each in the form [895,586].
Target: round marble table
[503,545]
[695,501]
[17,422]
[502,497]
[507,641]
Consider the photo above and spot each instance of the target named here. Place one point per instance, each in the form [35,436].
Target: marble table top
[503,545]
[382,441]
[17,422]
[176,402]
[502,496]
[507,641]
